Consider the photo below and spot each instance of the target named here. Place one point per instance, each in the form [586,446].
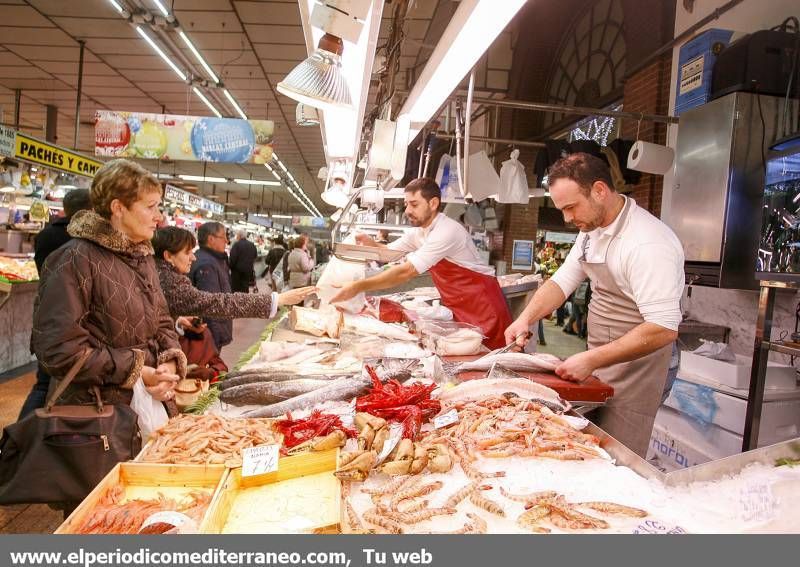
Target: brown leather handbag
[60,453]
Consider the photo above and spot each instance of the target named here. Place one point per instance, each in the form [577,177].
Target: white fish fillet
[513,361]
[480,389]
[370,326]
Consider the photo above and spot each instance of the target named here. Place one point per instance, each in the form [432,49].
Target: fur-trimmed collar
[91,226]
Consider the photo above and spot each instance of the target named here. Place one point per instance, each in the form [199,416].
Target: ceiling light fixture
[161,53]
[116,5]
[257,182]
[161,7]
[281,216]
[471,31]
[204,179]
[197,56]
[318,81]
[207,102]
[272,171]
[235,104]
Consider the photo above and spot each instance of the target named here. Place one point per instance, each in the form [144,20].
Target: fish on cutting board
[475,390]
[513,361]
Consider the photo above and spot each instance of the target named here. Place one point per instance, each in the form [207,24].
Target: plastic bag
[695,400]
[717,351]
[483,181]
[447,179]
[338,273]
[151,412]
[450,338]
[473,217]
[513,183]
[277,275]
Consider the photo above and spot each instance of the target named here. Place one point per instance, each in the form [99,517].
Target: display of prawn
[500,427]
[318,432]
[208,439]
[113,515]
[549,506]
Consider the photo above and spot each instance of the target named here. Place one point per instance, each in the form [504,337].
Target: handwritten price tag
[259,460]
[758,503]
[395,433]
[656,527]
[445,419]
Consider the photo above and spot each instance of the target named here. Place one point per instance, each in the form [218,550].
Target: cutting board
[591,390]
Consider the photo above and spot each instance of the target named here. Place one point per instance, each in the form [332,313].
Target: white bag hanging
[451,192]
[513,183]
[483,181]
[151,412]
[473,217]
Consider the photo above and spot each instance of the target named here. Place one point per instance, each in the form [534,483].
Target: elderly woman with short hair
[100,292]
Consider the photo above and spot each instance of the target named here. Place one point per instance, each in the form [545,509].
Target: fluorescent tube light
[281,216]
[235,104]
[197,56]
[205,179]
[116,5]
[161,7]
[161,53]
[471,31]
[257,182]
[207,102]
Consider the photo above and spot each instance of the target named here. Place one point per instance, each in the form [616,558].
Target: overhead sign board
[177,137]
[187,199]
[43,153]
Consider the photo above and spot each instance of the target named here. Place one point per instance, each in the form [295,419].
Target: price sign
[395,433]
[259,460]
[445,419]
[758,503]
[656,527]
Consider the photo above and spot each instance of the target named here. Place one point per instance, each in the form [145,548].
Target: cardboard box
[737,375]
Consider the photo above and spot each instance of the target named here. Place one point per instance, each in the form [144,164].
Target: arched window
[590,65]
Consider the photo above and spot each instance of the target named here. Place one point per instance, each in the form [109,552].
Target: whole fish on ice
[513,361]
[480,389]
[336,390]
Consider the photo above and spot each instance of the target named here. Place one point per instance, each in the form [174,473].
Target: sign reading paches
[36,151]
[176,137]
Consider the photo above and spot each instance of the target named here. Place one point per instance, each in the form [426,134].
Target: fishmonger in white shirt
[635,264]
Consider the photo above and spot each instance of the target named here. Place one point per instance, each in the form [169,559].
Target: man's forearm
[390,278]
[636,343]
[546,299]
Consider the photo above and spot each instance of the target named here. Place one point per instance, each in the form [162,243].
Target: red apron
[473,298]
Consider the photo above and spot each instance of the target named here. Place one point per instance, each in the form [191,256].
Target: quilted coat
[100,291]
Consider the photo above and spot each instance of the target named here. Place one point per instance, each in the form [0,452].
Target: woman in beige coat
[300,263]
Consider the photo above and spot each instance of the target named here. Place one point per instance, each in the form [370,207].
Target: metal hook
[639,125]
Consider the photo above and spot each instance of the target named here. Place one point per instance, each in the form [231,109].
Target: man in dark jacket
[274,257]
[210,272]
[243,258]
[51,238]
[54,235]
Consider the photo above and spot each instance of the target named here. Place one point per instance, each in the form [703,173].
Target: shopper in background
[210,272]
[174,257]
[51,238]
[300,263]
[242,262]
[274,257]
[100,292]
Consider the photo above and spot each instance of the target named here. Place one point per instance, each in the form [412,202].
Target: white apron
[638,385]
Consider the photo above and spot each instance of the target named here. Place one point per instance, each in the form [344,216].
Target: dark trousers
[38,394]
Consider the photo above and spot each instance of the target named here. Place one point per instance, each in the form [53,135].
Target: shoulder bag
[60,453]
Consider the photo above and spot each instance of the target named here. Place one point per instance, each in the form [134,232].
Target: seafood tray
[302,496]
[147,481]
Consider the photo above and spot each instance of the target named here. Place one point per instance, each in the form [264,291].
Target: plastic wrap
[695,400]
[451,338]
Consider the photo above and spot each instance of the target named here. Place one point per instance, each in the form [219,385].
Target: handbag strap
[62,384]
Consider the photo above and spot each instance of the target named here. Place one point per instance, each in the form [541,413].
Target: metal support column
[758,372]
[17,104]
[82,45]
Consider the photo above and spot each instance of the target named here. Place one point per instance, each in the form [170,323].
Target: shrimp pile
[548,506]
[208,439]
[503,428]
[112,516]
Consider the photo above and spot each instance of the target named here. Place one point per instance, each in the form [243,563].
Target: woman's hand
[164,373]
[295,296]
[163,391]
[187,324]
[184,322]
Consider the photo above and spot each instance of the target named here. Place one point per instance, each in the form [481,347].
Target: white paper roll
[650,158]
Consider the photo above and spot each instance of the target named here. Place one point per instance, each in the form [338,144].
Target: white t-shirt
[646,264]
[444,238]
